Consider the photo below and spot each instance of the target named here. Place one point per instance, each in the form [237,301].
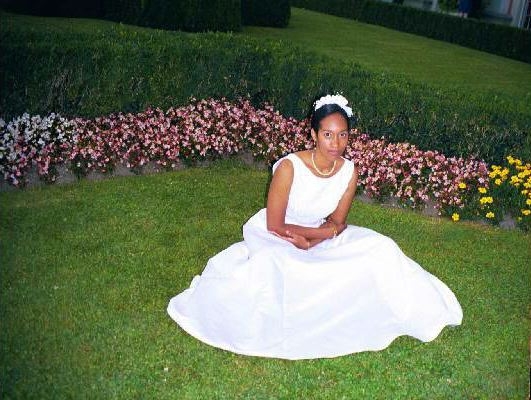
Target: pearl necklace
[319,171]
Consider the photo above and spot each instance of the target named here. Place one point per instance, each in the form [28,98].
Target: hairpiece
[338,99]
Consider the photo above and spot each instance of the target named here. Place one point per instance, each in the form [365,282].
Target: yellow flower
[526,212]
[462,185]
[528,202]
[485,200]
[504,172]
[517,161]
[525,191]
[490,214]
[510,159]
[498,181]
[482,190]
[455,217]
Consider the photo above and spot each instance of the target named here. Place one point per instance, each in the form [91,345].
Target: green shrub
[188,15]
[128,11]
[448,5]
[193,15]
[61,8]
[266,12]
[122,68]
[502,40]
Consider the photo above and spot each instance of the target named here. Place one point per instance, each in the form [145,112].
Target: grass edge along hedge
[502,40]
[114,67]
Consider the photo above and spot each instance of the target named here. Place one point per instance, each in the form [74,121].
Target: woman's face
[332,138]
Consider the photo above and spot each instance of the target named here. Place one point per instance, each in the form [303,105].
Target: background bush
[193,15]
[188,15]
[60,8]
[502,40]
[266,12]
[128,11]
[93,70]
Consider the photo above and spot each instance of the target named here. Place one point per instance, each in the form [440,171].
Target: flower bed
[209,129]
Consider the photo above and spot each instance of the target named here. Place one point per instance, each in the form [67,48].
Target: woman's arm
[339,216]
[277,202]
[304,237]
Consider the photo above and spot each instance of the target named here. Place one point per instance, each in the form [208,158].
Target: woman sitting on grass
[304,284]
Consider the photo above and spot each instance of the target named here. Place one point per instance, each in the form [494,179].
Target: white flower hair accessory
[338,99]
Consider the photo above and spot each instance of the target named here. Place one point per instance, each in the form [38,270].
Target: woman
[304,284]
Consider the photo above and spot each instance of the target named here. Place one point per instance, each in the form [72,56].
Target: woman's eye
[327,134]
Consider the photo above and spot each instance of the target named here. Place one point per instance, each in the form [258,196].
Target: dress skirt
[356,292]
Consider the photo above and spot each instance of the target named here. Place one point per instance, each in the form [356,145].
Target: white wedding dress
[356,292]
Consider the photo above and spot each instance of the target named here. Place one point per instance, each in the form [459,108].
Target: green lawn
[419,58]
[87,270]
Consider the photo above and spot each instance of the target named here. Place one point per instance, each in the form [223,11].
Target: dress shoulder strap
[349,166]
[292,157]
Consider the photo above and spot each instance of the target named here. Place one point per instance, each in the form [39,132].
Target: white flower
[338,99]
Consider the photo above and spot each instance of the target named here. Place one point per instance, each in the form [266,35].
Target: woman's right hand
[297,240]
[340,228]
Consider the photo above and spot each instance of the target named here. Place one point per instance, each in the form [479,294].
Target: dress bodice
[313,198]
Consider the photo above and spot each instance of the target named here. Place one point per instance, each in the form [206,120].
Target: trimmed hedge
[59,8]
[128,11]
[121,68]
[266,12]
[188,15]
[193,15]
[506,41]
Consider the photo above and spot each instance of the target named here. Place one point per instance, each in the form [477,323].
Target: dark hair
[324,111]
[315,116]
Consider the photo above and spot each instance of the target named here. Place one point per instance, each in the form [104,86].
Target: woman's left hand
[335,228]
